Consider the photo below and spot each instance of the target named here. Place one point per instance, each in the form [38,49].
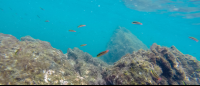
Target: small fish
[18,50]
[41,8]
[81,26]
[25,14]
[1,9]
[156,76]
[72,30]
[194,39]
[135,22]
[83,45]
[38,16]
[102,53]
[47,21]
[10,8]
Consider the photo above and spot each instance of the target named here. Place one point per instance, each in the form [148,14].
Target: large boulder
[121,43]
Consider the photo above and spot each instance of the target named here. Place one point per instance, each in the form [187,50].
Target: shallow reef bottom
[35,62]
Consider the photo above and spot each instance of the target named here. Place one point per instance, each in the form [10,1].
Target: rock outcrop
[37,63]
[34,62]
[28,38]
[88,67]
[157,66]
[121,43]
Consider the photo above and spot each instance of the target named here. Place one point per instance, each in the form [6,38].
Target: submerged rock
[77,54]
[121,43]
[157,66]
[28,38]
[37,63]
[88,67]
[33,62]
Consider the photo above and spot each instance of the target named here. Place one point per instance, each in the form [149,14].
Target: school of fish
[104,52]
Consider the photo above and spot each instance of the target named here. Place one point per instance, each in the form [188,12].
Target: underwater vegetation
[34,62]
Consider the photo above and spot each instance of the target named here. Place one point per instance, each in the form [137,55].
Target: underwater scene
[99,42]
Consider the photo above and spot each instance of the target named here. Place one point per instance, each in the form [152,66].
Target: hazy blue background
[101,17]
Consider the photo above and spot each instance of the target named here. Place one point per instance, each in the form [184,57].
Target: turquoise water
[101,17]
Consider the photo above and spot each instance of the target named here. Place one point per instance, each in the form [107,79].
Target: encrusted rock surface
[36,62]
[173,67]
[87,66]
[31,62]
[28,38]
[121,43]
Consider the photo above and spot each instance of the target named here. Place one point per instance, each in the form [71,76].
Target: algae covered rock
[88,67]
[121,43]
[80,55]
[157,66]
[33,62]
[38,63]
[131,69]
[28,38]
[177,68]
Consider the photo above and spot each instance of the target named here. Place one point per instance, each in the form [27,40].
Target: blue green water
[101,17]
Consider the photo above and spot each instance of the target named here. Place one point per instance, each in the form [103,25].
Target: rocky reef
[87,66]
[34,62]
[157,66]
[121,43]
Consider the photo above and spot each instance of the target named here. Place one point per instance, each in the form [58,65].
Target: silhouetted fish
[38,16]
[47,21]
[10,8]
[72,30]
[135,22]
[41,8]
